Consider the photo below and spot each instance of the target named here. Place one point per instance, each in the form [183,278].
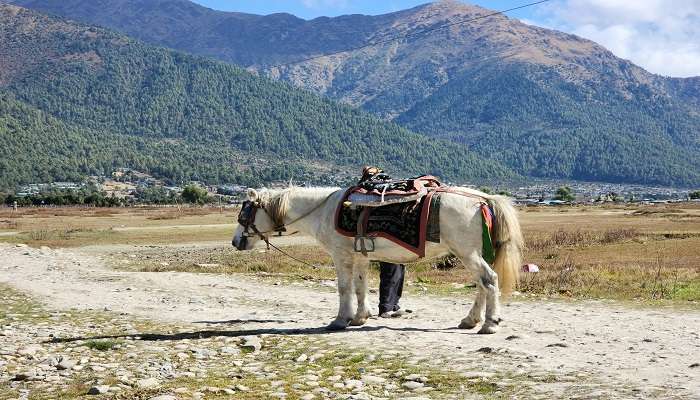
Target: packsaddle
[377,190]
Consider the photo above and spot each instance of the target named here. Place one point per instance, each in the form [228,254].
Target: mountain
[543,102]
[119,102]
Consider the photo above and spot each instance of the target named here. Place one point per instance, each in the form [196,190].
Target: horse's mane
[276,201]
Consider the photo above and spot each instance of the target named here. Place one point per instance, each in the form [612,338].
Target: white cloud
[662,36]
[318,4]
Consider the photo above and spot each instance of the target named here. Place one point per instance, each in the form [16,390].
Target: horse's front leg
[360,284]
[346,311]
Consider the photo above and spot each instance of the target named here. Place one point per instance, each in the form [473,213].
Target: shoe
[391,314]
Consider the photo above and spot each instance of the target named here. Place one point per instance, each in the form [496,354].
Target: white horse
[312,212]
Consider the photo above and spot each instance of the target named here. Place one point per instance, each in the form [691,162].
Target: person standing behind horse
[391,275]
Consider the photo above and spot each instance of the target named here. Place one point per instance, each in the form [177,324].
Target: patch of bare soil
[585,349]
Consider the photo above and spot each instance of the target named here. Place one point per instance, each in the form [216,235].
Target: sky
[663,36]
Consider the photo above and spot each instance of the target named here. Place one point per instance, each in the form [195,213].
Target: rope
[314,266]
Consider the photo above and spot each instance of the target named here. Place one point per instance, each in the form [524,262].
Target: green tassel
[488,252]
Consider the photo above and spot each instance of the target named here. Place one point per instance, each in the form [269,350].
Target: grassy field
[649,253]
[77,227]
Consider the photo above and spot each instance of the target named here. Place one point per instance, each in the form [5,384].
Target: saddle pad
[403,223]
[375,200]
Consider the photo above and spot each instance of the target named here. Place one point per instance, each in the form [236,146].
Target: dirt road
[581,349]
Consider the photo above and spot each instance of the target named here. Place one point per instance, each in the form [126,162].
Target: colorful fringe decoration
[488,252]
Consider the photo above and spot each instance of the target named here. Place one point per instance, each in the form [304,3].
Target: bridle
[246,219]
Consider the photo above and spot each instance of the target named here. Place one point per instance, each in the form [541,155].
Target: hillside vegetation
[545,103]
[184,117]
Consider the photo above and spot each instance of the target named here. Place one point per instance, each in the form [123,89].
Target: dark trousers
[390,286]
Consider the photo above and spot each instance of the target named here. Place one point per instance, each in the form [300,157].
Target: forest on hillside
[111,101]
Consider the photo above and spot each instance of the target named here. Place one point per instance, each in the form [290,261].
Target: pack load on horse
[397,221]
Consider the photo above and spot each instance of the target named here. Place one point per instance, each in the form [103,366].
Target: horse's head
[261,214]
[252,225]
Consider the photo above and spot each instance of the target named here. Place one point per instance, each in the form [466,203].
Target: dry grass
[651,253]
[599,252]
[582,238]
[566,278]
[76,226]
[8,224]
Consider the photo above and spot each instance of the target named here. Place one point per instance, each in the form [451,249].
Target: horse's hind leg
[486,304]
[360,284]
[476,314]
[488,281]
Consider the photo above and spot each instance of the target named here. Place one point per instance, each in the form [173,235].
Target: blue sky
[659,35]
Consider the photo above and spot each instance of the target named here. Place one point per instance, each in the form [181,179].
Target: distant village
[126,186]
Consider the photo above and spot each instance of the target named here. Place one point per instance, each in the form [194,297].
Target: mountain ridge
[450,84]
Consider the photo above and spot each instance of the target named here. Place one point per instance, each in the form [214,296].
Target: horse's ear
[252,194]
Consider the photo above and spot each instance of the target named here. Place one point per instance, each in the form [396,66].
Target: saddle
[381,190]
[398,210]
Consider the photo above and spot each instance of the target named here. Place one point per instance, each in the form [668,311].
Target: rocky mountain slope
[543,102]
[183,117]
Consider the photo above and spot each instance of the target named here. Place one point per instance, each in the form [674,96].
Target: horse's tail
[508,242]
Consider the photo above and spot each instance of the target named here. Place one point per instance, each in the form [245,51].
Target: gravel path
[573,349]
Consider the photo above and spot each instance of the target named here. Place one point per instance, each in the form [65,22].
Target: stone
[373,380]
[65,364]
[485,350]
[334,378]
[412,385]
[29,351]
[353,383]
[251,343]
[24,375]
[148,383]
[99,389]
[229,350]
[308,396]
[513,337]
[694,365]
[558,345]
[164,397]
[302,358]
[202,353]
[416,377]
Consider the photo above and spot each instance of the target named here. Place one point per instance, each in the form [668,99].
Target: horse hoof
[467,324]
[488,330]
[358,322]
[337,326]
